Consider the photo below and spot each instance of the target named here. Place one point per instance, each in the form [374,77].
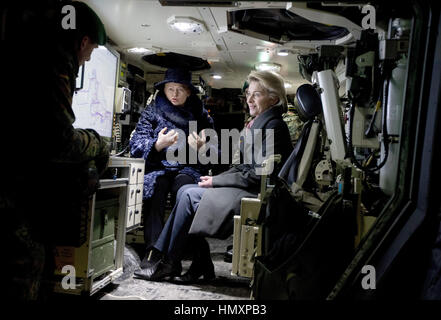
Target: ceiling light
[139,50]
[216,76]
[282,52]
[268,66]
[186,25]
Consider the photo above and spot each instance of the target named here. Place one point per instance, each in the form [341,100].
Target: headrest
[309,102]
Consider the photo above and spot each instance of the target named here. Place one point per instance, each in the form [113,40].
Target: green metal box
[103,249]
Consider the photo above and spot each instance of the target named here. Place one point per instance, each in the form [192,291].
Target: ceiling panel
[143,23]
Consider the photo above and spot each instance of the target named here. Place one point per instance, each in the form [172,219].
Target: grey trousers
[174,235]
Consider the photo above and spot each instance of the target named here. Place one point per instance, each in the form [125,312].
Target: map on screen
[93,104]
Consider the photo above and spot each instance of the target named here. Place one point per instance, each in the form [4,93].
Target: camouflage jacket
[46,162]
[74,145]
[55,162]
[295,125]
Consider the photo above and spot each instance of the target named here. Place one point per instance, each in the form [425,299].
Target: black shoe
[159,271]
[190,277]
[228,255]
[197,270]
[151,258]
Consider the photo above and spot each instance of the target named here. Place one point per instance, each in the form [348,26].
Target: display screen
[93,104]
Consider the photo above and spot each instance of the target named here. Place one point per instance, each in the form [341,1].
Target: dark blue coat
[157,115]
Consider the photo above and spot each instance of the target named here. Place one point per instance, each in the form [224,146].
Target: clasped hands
[206,182]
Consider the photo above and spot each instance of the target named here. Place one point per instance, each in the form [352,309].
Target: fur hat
[179,76]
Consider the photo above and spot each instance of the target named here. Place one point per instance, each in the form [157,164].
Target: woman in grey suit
[194,216]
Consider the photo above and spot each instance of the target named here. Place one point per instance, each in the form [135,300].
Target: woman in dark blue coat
[164,130]
[213,213]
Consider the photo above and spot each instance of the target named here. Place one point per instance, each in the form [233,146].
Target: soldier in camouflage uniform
[294,123]
[52,169]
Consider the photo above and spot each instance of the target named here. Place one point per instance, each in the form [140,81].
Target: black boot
[201,265]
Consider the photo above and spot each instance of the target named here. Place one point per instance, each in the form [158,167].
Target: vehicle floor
[224,287]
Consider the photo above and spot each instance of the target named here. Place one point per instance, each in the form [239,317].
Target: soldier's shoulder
[291,116]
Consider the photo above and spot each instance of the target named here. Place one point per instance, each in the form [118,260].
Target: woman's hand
[195,141]
[166,140]
[206,182]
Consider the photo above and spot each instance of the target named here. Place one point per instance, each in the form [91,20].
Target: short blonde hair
[273,83]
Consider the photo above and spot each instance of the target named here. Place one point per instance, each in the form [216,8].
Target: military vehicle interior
[355,74]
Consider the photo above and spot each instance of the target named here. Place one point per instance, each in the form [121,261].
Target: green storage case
[103,250]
